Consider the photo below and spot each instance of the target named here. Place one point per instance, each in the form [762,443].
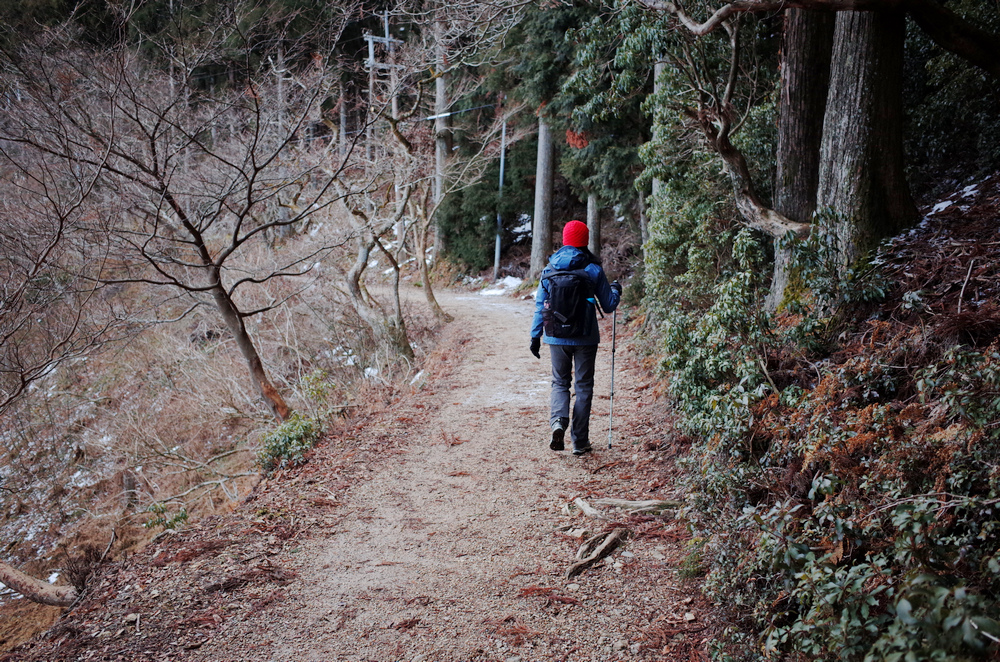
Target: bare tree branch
[946,28]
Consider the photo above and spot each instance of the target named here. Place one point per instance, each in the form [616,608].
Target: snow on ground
[941,206]
[502,287]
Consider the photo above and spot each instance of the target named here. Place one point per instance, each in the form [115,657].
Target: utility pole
[496,252]
[388,41]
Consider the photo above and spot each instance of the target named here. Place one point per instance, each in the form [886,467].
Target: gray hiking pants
[567,360]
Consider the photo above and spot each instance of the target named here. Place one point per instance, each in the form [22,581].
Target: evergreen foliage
[468,217]
[287,444]
[952,126]
[842,503]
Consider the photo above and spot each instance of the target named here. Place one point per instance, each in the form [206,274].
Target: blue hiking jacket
[570,257]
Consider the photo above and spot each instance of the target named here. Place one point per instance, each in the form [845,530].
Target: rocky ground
[437,527]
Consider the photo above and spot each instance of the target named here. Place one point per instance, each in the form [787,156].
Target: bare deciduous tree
[190,177]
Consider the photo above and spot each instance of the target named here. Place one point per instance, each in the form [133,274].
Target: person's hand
[536,344]
[617,287]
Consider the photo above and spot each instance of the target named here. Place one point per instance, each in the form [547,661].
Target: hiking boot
[582,450]
[558,434]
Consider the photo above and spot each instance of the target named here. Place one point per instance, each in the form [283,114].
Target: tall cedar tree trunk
[861,175]
[643,219]
[594,225]
[805,77]
[541,234]
[658,68]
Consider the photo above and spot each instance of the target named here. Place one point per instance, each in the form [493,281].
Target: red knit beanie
[576,234]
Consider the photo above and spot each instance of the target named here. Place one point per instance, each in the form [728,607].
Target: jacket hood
[569,257]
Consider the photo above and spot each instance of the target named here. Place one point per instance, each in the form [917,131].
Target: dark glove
[536,344]
[617,287]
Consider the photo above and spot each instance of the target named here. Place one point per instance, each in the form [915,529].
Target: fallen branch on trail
[611,541]
[648,506]
[549,593]
[586,508]
[589,544]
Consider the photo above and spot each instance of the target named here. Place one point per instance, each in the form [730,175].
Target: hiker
[566,313]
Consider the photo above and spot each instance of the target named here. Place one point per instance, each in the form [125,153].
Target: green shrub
[163,517]
[848,507]
[287,444]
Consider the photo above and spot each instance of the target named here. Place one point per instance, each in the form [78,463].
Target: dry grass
[171,418]
[20,620]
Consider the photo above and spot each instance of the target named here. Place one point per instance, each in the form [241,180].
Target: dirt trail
[431,530]
[432,553]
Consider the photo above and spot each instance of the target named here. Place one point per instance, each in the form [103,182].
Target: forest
[216,213]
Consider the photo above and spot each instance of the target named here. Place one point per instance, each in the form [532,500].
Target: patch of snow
[12,595]
[371,372]
[502,286]
[80,479]
[416,378]
[970,190]
[941,206]
[53,577]
[511,282]
[524,224]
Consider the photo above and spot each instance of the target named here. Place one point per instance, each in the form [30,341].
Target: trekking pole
[614,340]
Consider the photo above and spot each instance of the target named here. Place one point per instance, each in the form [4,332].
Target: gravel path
[451,549]
[431,526]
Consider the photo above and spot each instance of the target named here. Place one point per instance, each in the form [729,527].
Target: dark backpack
[564,313]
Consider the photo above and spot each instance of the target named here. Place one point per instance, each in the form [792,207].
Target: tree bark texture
[235,321]
[748,203]
[393,335]
[541,234]
[442,129]
[425,276]
[643,219]
[805,78]
[594,225]
[658,67]
[35,589]
[861,177]
[237,326]
[343,121]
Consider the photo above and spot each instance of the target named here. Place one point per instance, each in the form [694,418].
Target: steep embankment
[433,529]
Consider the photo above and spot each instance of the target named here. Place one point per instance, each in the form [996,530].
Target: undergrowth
[286,445]
[846,474]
